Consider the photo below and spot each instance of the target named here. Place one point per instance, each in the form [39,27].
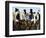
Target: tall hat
[31,11]
[16,9]
[25,11]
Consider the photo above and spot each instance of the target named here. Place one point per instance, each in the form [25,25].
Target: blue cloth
[30,17]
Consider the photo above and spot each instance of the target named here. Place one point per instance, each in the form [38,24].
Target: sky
[35,9]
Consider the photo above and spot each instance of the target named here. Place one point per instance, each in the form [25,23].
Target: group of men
[32,16]
[26,21]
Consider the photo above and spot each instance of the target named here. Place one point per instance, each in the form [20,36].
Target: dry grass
[26,25]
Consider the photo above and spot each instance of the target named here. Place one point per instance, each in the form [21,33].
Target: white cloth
[22,16]
[14,15]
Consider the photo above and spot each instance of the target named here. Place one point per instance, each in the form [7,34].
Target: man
[23,15]
[16,18]
[16,15]
[31,14]
[38,20]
